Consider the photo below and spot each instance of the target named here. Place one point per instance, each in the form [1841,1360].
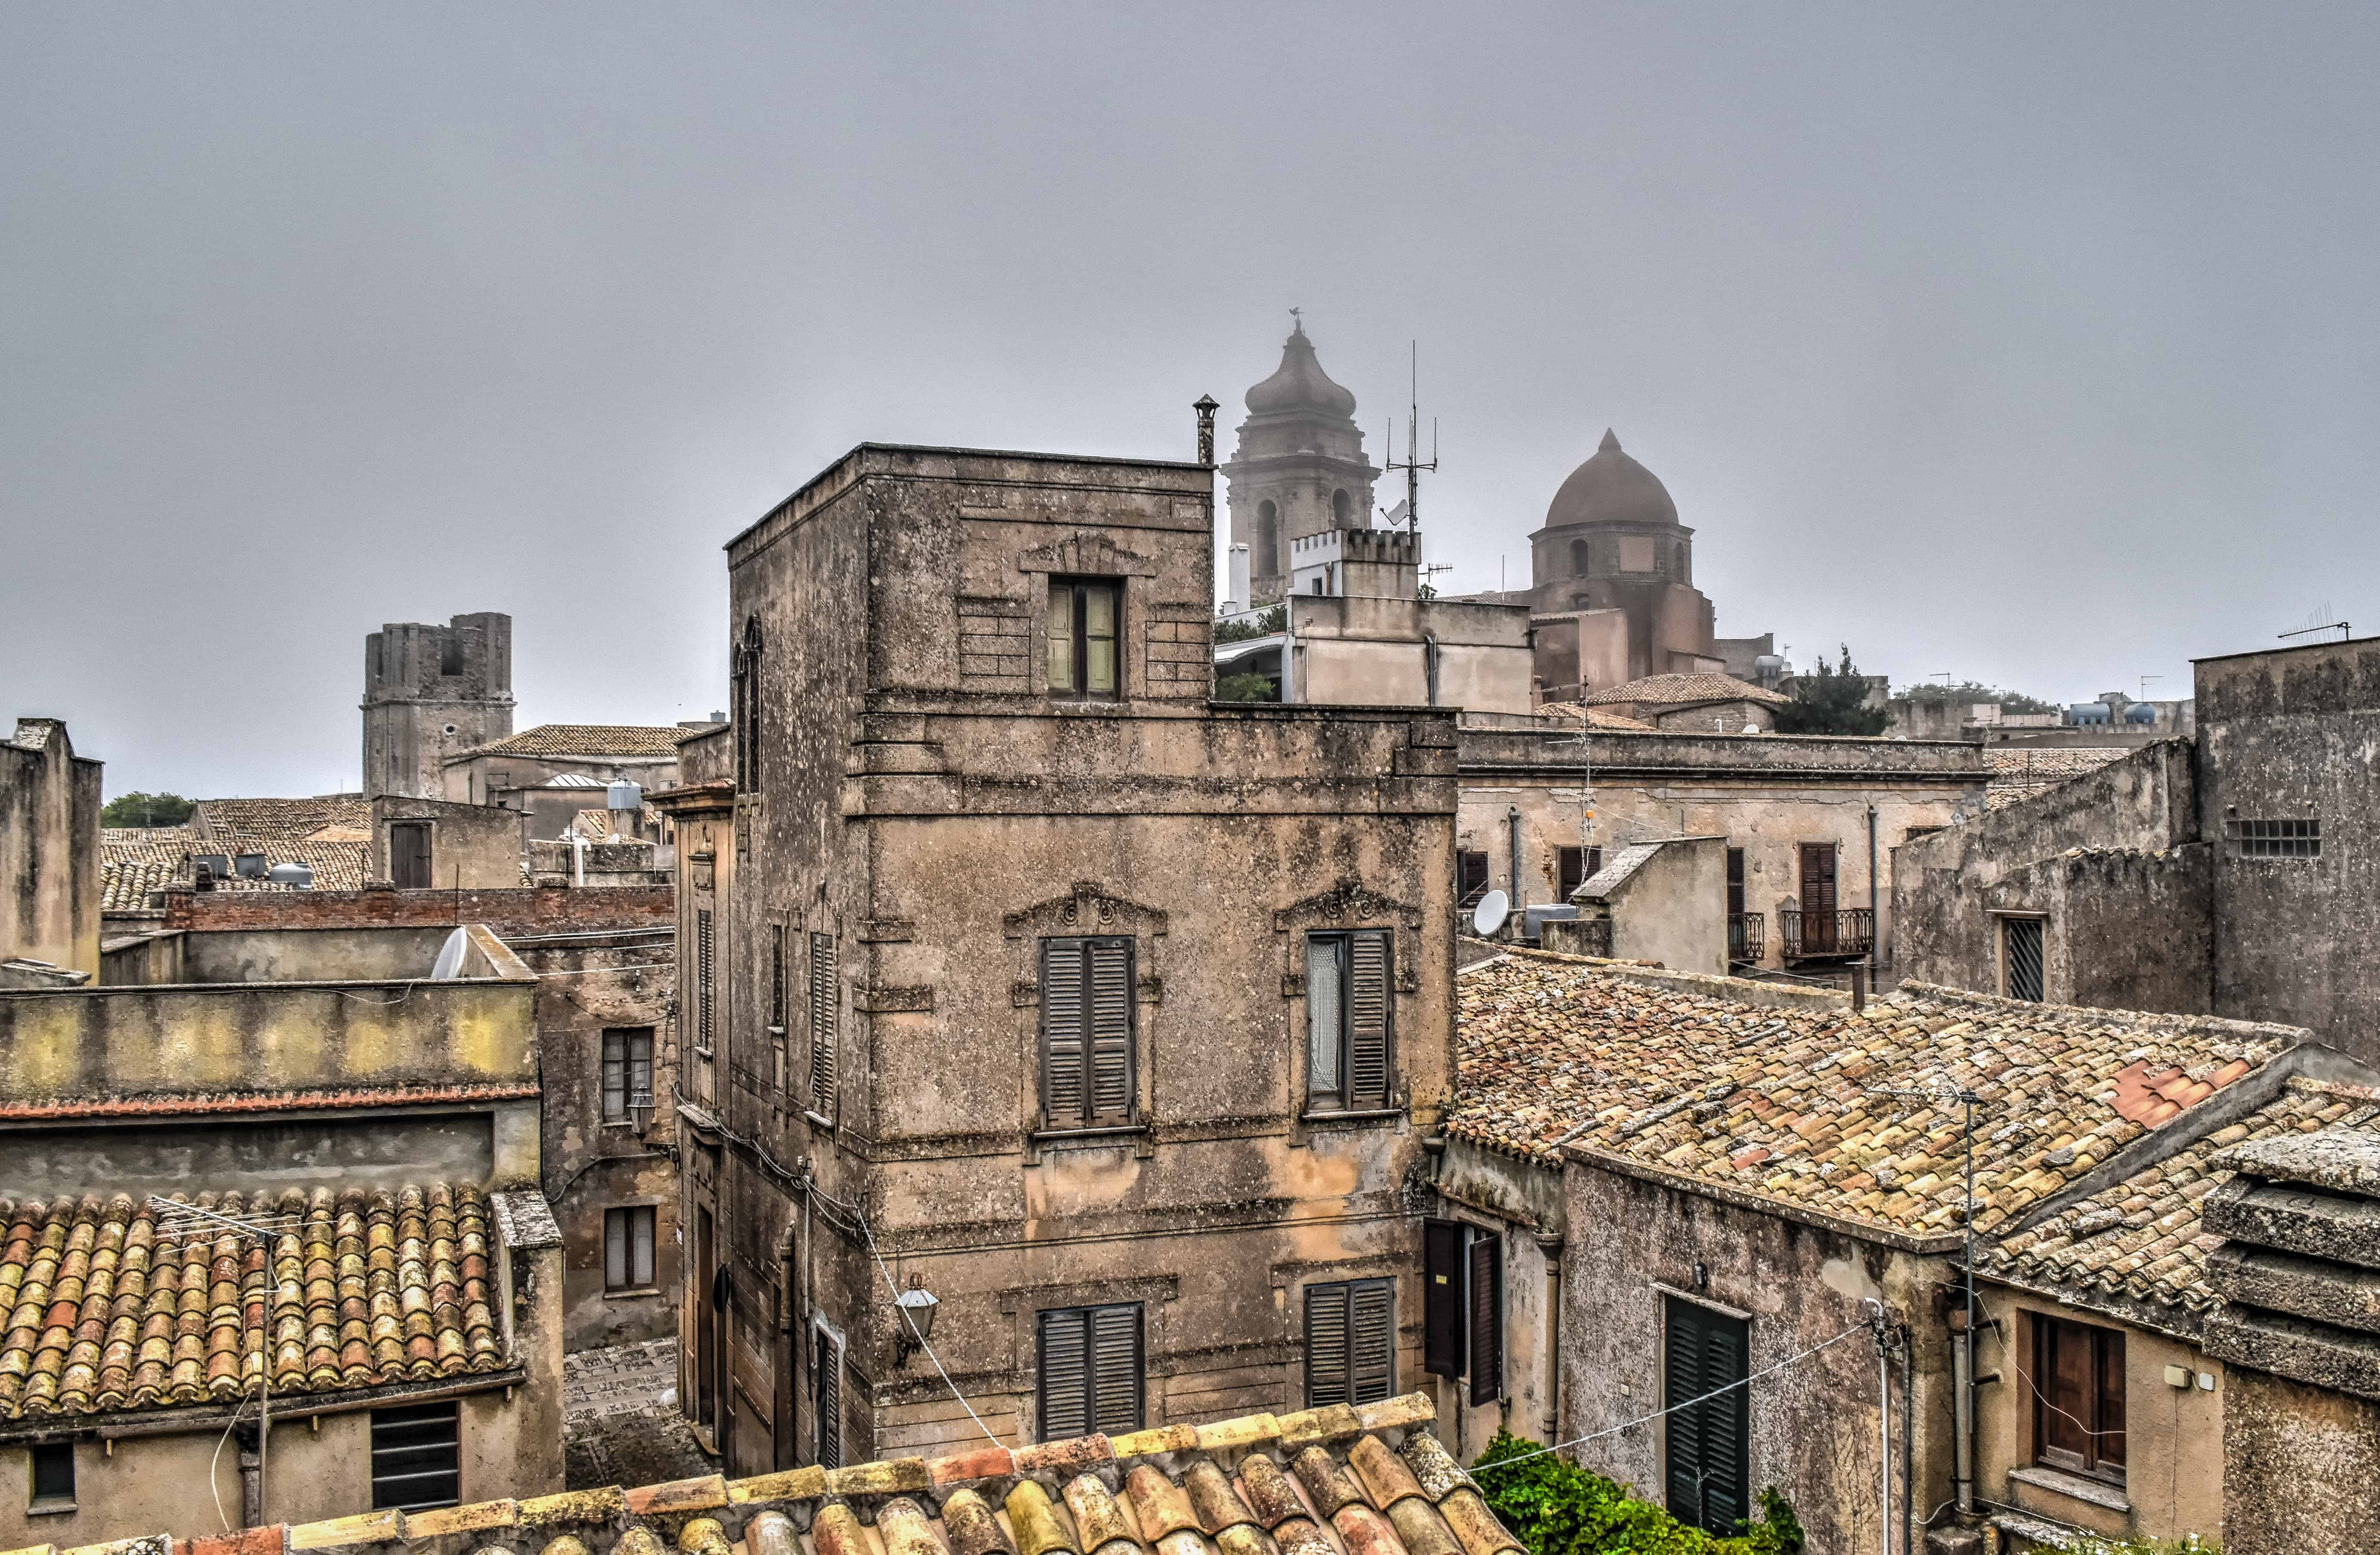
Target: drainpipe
[578,858]
[1513,818]
[251,1479]
[1551,1244]
[1429,663]
[1289,643]
[1875,925]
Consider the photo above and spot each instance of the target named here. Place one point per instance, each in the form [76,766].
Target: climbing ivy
[1555,1507]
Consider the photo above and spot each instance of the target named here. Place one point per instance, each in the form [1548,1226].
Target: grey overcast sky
[2033,342]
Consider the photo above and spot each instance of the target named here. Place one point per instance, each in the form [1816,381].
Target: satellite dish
[1490,915]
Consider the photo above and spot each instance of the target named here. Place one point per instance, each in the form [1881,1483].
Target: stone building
[1704,703]
[305,1144]
[1299,469]
[430,692]
[1809,822]
[426,844]
[1105,1021]
[1680,1181]
[50,888]
[553,771]
[2228,873]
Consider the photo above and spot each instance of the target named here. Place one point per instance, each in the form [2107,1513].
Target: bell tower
[431,692]
[1299,468]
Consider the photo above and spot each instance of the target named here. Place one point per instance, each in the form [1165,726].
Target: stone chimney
[2300,1335]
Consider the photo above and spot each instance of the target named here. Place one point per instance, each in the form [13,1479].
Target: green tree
[1831,702]
[1969,692]
[1246,689]
[1262,625]
[147,809]
[1555,1507]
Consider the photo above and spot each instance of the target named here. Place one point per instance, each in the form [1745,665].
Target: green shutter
[1710,1444]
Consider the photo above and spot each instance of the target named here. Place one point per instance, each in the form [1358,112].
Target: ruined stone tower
[430,692]
[1299,469]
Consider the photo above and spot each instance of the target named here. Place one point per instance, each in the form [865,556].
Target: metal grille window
[627,1071]
[1470,878]
[1090,1371]
[826,1010]
[628,1249]
[702,983]
[417,1457]
[1347,1017]
[1708,1467]
[2021,940]
[1351,1343]
[2277,839]
[1087,1029]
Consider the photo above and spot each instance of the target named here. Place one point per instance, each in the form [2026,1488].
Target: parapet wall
[508,911]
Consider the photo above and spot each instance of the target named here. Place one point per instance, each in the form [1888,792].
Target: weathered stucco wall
[2300,1467]
[49,848]
[1672,909]
[374,1149]
[310,954]
[1632,1242]
[2111,858]
[472,846]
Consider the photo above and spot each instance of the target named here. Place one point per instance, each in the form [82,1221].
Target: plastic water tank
[623,797]
[295,876]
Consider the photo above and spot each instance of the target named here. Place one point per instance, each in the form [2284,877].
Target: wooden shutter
[408,855]
[1368,1018]
[1110,1079]
[702,977]
[1326,1345]
[826,1010]
[1065,1374]
[1710,1444]
[2107,1414]
[1487,1317]
[1066,1023]
[1441,1297]
[826,1399]
[1570,867]
[1735,881]
[616,1076]
[1372,1341]
[1115,1369]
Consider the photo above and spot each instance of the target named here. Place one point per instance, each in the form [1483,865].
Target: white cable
[895,1289]
[1645,1419]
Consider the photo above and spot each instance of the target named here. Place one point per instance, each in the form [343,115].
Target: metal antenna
[1411,465]
[177,1219]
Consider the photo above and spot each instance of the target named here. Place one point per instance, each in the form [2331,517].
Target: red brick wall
[518,910]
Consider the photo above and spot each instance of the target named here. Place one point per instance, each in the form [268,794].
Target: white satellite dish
[450,956]
[1490,915]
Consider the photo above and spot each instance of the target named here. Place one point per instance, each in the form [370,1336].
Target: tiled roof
[1364,1480]
[110,1310]
[245,825]
[2141,1238]
[2020,772]
[1597,718]
[1780,1103]
[331,836]
[583,739]
[136,860]
[1663,690]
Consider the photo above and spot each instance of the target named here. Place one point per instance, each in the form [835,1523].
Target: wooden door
[408,854]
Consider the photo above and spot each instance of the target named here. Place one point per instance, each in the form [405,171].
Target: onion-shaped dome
[1299,383]
[1610,488]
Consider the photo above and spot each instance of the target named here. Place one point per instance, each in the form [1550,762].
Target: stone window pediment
[1087,554]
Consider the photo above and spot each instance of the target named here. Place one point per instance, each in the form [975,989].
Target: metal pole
[1883,1442]
[1512,816]
[1874,923]
[1966,1352]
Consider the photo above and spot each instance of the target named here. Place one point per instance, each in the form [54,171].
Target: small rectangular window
[1090,1363]
[2078,1408]
[2021,947]
[417,1457]
[1348,996]
[53,1476]
[1470,878]
[826,1009]
[1084,631]
[826,1399]
[628,1249]
[2277,839]
[1574,867]
[1351,1343]
[1087,1032]
[627,1071]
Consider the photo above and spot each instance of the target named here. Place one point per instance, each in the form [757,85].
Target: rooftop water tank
[623,797]
[296,876]
[2087,712]
[2139,712]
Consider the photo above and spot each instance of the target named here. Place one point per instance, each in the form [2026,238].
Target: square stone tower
[431,692]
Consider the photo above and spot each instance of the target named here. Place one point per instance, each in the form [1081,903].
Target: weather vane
[1297,323]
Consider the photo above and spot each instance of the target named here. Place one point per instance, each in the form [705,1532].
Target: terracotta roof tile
[1782,1104]
[583,739]
[1597,718]
[1666,690]
[112,1305]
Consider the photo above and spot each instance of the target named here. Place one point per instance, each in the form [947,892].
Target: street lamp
[917,1305]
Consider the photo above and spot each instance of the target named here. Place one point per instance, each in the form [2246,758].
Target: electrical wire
[1689,1404]
[890,1285]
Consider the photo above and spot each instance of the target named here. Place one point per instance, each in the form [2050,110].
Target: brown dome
[1299,383]
[1611,487]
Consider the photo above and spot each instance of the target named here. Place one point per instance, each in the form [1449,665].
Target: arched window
[1661,560]
[1267,540]
[1578,558]
[1340,505]
[1678,568]
[747,707]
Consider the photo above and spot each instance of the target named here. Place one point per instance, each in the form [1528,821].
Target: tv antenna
[2315,622]
[1412,466]
[2144,685]
[1433,570]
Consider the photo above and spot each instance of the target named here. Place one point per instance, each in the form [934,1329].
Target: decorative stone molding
[1087,554]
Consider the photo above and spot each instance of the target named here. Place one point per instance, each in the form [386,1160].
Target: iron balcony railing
[1747,937]
[1810,935]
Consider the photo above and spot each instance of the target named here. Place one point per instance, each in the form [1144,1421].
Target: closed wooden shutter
[702,977]
[826,1399]
[826,1010]
[1441,1297]
[1066,1379]
[1372,1342]
[1115,1369]
[1110,1034]
[1326,1345]
[1710,1444]
[1066,1022]
[1487,1317]
[1368,1018]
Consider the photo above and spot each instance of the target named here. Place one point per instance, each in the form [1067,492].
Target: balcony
[1747,939]
[1827,936]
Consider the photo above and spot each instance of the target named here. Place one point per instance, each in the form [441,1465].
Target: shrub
[1262,625]
[146,810]
[1555,1507]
